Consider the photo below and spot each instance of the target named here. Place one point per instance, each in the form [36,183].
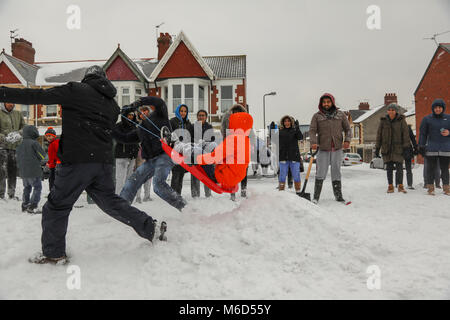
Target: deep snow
[273,245]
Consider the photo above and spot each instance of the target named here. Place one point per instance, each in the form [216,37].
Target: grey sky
[298,48]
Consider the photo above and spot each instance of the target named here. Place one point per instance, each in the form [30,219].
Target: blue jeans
[34,184]
[284,168]
[159,168]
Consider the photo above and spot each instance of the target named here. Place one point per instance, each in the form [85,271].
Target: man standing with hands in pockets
[326,133]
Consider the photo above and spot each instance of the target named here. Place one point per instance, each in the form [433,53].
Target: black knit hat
[50,131]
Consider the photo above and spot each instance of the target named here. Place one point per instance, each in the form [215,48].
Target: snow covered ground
[273,245]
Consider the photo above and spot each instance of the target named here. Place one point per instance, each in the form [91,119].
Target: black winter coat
[150,142]
[89,113]
[126,150]
[289,150]
[176,123]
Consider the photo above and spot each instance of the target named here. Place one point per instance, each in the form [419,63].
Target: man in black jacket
[89,113]
[409,154]
[157,163]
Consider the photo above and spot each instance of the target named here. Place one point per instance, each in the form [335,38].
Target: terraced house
[178,75]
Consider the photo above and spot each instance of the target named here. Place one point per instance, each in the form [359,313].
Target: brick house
[435,83]
[179,75]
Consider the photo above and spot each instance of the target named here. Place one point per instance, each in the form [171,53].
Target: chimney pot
[164,42]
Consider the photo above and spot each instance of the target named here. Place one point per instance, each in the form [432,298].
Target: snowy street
[273,245]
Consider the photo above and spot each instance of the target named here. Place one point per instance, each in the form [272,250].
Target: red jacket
[232,156]
[53,159]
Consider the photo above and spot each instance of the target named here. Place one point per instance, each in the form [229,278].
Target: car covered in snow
[350,159]
[378,163]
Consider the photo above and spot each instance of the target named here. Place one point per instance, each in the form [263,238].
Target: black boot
[337,190]
[317,190]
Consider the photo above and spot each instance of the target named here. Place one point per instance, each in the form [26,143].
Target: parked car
[378,163]
[350,159]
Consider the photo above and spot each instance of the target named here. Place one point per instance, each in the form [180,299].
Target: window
[138,93]
[201,97]
[52,110]
[176,96]
[226,98]
[189,96]
[125,96]
[356,132]
[166,94]
[25,111]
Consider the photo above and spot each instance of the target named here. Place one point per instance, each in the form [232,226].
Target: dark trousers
[398,174]
[97,180]
[8,172]
[436,162]
[409,174]
[195,188]
[177,178]
[29,185]
[51,178]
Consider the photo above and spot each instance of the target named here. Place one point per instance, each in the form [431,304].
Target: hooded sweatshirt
[232,156]
[327,127]
[178,122]
[29,154]
[430,131]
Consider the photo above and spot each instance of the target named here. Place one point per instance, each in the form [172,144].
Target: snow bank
[273,245]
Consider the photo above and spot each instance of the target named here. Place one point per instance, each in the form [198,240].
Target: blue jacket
[430,132]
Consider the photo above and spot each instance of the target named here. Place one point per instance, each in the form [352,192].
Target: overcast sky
[298,48]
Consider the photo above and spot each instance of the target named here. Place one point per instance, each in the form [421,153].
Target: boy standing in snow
[53,159]
[326,129]
[29,157]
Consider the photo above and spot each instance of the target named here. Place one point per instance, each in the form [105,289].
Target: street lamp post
[264,109]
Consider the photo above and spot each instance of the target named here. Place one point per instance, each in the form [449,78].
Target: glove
[377,153]
[45,172]
[13,137]
[422,150]
[406,153]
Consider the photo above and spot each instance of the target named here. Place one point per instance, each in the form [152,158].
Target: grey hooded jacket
[29,154]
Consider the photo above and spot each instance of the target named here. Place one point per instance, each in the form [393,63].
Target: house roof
[181,37]
[228,66]
[368,114]
[27,72]
[355,114]
[446,47]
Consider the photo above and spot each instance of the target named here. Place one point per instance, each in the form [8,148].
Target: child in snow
[29,157]
[53,159]
[227,163]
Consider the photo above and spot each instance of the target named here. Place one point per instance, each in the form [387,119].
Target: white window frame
[53,106]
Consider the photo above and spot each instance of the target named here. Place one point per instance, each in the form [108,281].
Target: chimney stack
[164,42]
[390,98]
[364,106]
[23,50]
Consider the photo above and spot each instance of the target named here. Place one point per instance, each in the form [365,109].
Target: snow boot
[233,197]
[24,207]
[401,188]
[390,188]
[290,184]
[317,190]
[430,189]
[41,259]
[337,190]
[438,186]
[447,189]
[298,186]
[281,186]
[411,188]
[244,193]
[32,209]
